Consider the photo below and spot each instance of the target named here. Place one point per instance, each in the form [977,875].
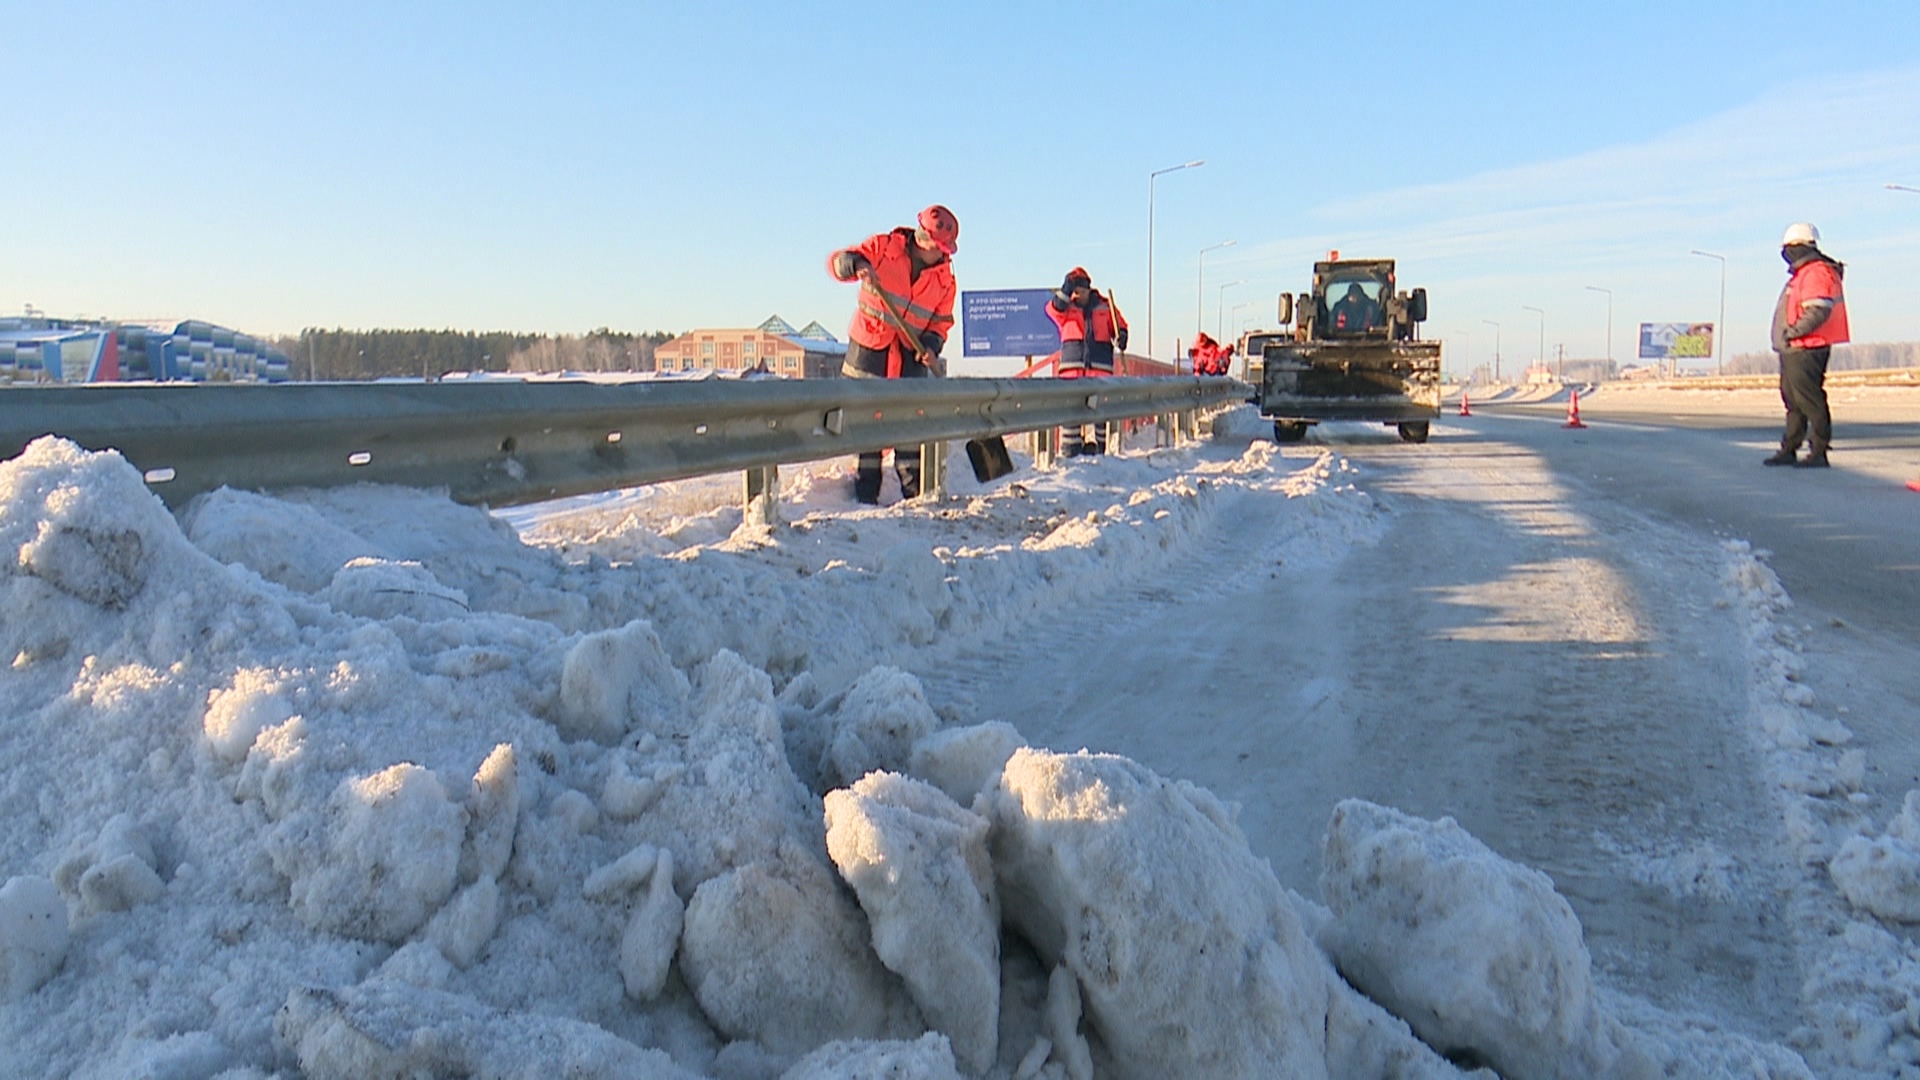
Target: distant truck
[1354,353]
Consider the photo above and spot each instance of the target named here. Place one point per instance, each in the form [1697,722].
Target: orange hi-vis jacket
[1087,335]
[1818,279]
[926,304]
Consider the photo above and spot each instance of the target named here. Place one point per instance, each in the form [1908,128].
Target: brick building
[812,353]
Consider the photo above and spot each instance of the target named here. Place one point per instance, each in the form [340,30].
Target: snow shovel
[988,456]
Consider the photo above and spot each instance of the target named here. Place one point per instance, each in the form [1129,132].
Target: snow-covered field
[364,783]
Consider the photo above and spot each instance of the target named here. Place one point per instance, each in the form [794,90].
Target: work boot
[1812,461]
[1781,457]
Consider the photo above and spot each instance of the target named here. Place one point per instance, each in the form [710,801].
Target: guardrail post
[1044,442]
[1190,422]
[933,471]
[763,495]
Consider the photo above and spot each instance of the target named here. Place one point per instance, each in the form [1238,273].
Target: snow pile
[1480,955]
[1864,990]
[356,784]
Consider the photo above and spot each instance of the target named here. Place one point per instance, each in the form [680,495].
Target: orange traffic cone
[1913,485]
[1464,410]
[1573,412]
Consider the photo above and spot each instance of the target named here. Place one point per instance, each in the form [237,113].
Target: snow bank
[359,783]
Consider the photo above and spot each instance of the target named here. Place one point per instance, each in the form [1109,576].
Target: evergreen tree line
[348,355]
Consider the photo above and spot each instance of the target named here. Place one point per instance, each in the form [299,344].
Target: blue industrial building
[35,348]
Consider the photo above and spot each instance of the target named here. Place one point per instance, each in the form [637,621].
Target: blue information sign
[1007,322]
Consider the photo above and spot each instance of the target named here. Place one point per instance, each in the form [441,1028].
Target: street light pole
[1219,318]
[1609,292]
[1496,348]
[1467,349]
[1719,328]
[1236,315]
[1200,293]
[1150,179]
[1542,360]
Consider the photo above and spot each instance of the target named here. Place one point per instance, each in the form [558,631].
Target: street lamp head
[1194,164]
[1903,187]
[1596,288]
[1708,254]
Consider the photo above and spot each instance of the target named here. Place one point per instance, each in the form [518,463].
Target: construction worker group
[905,313]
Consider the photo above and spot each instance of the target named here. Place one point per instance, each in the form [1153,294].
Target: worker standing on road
[1809,320]
[1091,328]
[902,321]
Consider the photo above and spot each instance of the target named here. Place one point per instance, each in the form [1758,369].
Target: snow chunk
[464,926]
[727,795]
[883,715]
[384,589]
[963,761]
[918,862]
[652,934]
[387,855]
[1475,952]
[33,935]
[1189,957]
[1882,875]
[929,1058]
[775,952]
[113,873]
[254,701]
[616,680]
[82,522]
[493,815]
[383,1029]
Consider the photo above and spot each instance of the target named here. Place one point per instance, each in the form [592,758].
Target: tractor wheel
[1414,431]
[1286,431]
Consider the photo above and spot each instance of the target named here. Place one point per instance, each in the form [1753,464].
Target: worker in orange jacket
[1209,357]
[1809,320]
[1091,331]
[904,274]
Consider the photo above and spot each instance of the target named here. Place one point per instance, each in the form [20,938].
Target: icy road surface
[1540,644]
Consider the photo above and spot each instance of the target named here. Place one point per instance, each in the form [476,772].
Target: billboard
[1676,340]
[1007,322]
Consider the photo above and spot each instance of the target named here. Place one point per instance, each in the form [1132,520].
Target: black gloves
[848,264]
[1120,339]
[1074,281]
[931,342]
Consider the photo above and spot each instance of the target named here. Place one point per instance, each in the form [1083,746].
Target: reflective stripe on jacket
[1079,352]
[925,303]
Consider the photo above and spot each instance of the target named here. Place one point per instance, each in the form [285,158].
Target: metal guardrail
[504,443]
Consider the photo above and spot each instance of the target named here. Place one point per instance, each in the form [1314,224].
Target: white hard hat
[1800,232]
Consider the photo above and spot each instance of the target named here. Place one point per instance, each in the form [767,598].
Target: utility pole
[1719,328]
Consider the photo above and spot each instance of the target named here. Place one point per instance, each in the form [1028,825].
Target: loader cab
[1354,299]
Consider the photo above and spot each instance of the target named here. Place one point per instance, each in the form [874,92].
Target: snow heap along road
[358,784]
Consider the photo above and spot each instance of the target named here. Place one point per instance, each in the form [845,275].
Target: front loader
[1353,353]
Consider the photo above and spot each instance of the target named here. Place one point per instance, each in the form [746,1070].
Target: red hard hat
[941,227]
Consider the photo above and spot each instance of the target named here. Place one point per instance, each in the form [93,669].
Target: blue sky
[564,166]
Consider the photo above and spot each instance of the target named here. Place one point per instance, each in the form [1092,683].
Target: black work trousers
[863,362]
[1803,387]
